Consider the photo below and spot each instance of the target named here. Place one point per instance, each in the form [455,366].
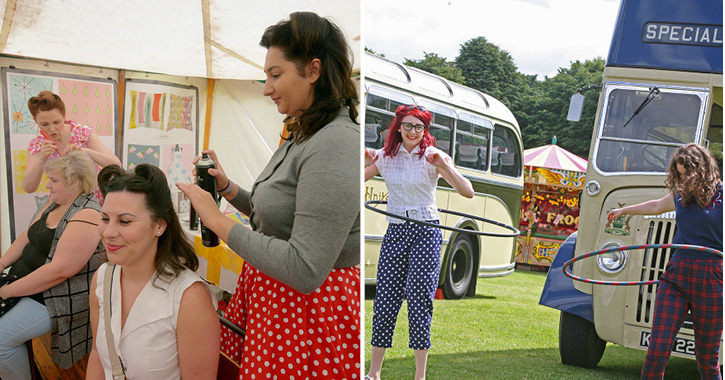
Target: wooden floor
[51,371]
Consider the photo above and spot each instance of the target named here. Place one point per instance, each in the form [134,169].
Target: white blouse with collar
[411,183]
[147,344]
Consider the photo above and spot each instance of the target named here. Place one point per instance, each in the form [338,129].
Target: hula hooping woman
[409,262]
[692,280]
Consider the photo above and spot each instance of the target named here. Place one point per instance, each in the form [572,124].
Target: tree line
[540,107]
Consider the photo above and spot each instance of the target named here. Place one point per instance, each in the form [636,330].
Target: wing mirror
[575,107]
[577,103]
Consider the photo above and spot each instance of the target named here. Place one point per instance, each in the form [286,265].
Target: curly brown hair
[700,178]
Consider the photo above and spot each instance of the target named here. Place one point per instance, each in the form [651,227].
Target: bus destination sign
[682,34]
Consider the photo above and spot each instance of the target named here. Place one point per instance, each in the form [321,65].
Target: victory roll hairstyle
[45,101]
[174,250]
[395,139]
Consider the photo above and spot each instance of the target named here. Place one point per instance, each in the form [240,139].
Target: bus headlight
[612,262]
[593,188]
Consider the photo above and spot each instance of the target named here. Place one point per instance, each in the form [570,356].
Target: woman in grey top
[298,295]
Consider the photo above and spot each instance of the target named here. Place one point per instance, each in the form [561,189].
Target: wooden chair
[228,368]
[42,366]
[31,358]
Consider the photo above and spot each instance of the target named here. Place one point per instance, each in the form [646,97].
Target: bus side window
[443,137]
[494,158]
[440,128]
[441,125]
[372,135]
[384,136]
[471,146]
[379,114]
[507,150]
[376,128]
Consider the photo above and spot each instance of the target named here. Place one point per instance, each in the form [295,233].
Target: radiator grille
[653,265]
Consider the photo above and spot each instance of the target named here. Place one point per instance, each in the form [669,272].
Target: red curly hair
[701,175]
[394,139]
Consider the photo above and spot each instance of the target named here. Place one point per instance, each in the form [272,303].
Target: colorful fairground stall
[554,178]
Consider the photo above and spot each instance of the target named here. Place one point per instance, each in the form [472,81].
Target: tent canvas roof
[204,38]
[554,157]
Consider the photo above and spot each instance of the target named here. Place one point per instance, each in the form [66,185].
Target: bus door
[714,132]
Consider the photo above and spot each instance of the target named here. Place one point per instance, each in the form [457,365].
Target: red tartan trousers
[687,285]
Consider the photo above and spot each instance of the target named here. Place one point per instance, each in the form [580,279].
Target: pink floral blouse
[79,134]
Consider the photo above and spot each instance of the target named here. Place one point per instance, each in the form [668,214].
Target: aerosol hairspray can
[207,182]
[193,219]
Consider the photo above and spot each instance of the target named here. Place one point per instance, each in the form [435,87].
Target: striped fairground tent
[554,157]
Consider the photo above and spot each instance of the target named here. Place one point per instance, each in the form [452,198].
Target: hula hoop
[569,263]
[514,231]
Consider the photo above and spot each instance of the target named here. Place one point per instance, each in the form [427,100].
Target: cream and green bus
[484,140]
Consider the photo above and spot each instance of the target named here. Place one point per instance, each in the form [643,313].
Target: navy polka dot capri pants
[408,268]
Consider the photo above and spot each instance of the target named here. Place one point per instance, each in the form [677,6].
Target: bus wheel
[579,344]
[459,268]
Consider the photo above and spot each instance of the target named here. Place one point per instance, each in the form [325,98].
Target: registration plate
[681,346]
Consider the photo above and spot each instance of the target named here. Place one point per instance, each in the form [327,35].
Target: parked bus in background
[662,88]
[484,140]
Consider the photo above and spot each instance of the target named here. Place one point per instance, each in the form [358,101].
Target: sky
[540,35]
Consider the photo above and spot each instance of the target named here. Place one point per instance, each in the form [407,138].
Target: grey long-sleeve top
[304,208]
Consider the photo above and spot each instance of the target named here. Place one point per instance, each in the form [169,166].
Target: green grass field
[503,333]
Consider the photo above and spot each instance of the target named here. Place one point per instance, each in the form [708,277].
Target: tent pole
[207,119]
[7,23]
[121,103]
[206,18]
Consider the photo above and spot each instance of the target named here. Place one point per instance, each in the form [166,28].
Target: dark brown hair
[302,38]
[45,101]
[174,250]
[700,178]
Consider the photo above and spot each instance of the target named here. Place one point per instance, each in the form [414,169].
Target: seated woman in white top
[163,319]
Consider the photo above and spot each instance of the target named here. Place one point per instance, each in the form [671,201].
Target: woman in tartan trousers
[692,280]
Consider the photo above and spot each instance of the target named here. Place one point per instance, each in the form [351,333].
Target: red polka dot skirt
[290,335]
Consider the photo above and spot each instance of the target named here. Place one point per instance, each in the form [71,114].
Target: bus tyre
[458,271]
[579,344]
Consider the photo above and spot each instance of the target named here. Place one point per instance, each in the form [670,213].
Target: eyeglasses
[410,107]
[408,126]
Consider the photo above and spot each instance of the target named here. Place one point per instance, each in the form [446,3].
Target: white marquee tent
[202,43]
[195,38]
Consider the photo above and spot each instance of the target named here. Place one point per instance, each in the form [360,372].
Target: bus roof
[434,87]
[682,35]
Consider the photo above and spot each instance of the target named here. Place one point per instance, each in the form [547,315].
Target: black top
[36,252]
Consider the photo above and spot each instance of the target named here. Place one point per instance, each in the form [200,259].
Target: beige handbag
[119,372]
